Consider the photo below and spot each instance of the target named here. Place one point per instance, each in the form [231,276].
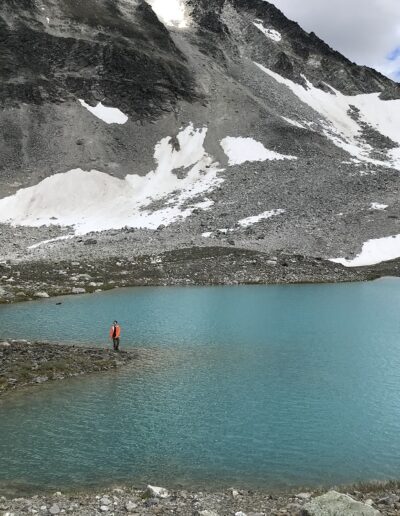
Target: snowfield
[374,251]
[249,221]
[342,129]
[95,201]
[240,150]
[270,33]
[108,115]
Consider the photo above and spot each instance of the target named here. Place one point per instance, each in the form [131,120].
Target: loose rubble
[374,500]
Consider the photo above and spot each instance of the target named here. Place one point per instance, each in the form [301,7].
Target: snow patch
[207,234]
[172,13]
[249,221]
[374,251]
[109,115]
[240,150]
[343,130]
[95,201]
[377,206]
[270,33]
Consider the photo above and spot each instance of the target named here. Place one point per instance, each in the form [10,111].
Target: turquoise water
[250,386]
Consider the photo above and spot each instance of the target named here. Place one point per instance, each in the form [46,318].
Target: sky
[365,31]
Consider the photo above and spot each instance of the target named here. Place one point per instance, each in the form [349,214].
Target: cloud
[367,32]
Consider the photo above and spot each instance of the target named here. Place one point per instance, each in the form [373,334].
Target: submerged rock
[337,504]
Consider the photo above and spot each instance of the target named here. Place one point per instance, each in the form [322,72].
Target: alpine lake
[250,386]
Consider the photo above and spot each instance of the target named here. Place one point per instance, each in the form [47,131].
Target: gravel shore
[23,281]
[362,501]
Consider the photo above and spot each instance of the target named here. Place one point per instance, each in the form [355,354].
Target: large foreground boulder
[337,504]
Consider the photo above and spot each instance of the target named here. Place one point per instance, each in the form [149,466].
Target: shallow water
[252,386]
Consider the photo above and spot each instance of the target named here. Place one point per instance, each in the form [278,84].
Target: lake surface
[274,386]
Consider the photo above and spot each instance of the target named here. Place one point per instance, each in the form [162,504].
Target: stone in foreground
[337,504]
[157,492]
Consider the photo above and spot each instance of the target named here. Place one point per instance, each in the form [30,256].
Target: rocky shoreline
[364,500]
[24,363]
[23,281]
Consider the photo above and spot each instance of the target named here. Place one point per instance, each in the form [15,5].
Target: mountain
[191,130]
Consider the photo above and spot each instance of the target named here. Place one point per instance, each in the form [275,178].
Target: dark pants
[116,343]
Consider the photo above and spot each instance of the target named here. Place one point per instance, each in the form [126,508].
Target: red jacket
[117,331]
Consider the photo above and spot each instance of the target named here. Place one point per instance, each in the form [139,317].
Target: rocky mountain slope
[148,127]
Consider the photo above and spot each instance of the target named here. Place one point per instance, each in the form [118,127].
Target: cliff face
[53,52]
[221,122]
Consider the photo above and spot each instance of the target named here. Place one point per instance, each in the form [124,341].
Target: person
[115,334]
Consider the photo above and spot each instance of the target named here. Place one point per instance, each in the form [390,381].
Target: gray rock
[41,379]
[304,496]
[77,290]
[41,295]
[130,506]
[105,500]
[337,504]
[55,509]
[207,513]
[157,492]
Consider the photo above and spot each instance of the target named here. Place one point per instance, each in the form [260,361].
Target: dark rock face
[302,53]
[114,51]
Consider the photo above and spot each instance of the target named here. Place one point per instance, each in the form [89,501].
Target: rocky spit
[367,501]
[24,363]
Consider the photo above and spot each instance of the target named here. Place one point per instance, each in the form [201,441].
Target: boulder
[337,504]
[304,496]
[77,290]
[55,509]
[157,492]
[130,506]
[41,295]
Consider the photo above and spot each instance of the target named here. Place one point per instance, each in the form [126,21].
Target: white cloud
[364,31]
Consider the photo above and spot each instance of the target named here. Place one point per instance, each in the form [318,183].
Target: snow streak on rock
[343,114]
[240,150]
[95,201]
[249,221]
[270,33]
